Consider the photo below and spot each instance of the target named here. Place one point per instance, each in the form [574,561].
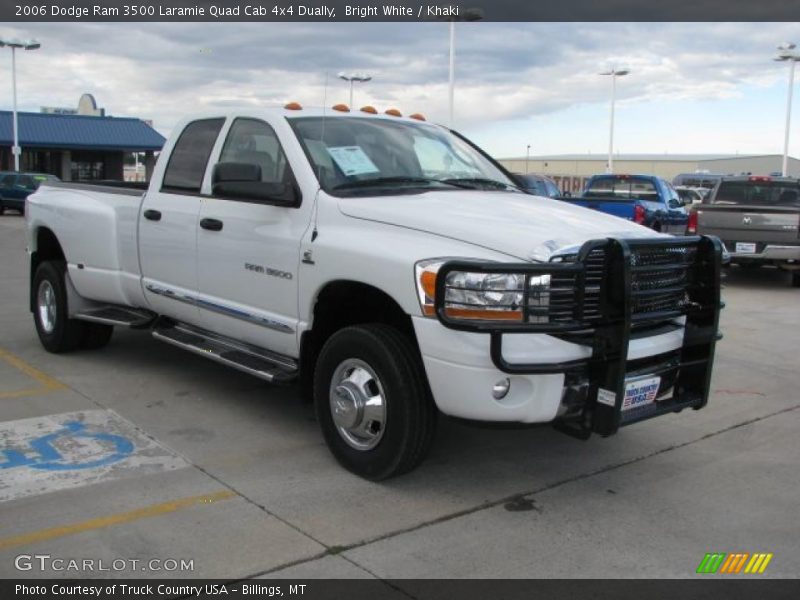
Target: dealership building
[571,171]
[78,144]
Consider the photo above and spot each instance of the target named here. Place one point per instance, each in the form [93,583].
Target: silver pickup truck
[757,219]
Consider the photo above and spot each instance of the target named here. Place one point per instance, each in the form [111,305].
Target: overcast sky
[692,88]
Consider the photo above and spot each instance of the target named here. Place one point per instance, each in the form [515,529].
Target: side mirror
[567,194]
[242,181]
[673,203]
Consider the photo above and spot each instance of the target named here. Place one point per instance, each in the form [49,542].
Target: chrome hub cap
[358,404]
[46,305]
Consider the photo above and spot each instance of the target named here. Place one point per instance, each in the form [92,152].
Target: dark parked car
[538,185]
[16,187]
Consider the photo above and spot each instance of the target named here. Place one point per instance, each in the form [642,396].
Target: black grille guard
[609,332]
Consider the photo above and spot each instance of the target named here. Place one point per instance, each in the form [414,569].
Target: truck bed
[96,225]
[619,207]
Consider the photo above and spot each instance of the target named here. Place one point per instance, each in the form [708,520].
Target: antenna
[315,210]
[324,116]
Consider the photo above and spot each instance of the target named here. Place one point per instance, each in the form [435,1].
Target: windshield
[758,193]
[357,156]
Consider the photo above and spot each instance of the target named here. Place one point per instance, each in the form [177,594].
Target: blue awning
[40,130]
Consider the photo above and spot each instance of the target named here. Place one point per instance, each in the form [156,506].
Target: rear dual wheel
[57,332]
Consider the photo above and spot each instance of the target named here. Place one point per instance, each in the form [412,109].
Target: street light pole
[352,78]
[470,14]
[787,55]
[527,158]
[614,73]
[14,44]
[452,76]
[15,148]
[785,167]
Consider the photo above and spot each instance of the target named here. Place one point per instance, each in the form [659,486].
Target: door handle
[211,224]
[152,215]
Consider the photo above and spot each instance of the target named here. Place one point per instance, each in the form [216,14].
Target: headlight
[483,296]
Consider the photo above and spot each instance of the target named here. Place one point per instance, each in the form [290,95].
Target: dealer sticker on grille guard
[638,392]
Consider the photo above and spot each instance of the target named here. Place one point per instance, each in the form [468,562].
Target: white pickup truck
[389,266]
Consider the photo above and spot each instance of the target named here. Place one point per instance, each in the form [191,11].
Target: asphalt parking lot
[172,457]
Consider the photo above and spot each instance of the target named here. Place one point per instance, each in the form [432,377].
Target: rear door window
[27,182]
[187,164]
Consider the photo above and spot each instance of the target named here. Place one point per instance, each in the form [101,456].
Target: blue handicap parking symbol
[46,457]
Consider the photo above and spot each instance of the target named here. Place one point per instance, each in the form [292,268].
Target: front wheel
[372,401]
[796,279]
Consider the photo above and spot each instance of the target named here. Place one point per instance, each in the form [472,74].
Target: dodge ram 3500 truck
[392,268]
[757,218]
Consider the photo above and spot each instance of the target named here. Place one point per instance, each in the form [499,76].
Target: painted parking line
[46,383]
[55,452]
[154,510]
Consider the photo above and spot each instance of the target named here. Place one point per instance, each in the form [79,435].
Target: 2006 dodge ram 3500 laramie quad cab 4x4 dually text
[391,267]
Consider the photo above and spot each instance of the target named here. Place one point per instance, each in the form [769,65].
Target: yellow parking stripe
[153,510]
[764,564]
[755,563]
[46,383]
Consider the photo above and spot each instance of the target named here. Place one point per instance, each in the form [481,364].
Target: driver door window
[254,142]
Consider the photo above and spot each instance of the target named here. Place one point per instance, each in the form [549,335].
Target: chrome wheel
[46,306]
[358,404]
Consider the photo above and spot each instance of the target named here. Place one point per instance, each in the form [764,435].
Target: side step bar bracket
[120,316]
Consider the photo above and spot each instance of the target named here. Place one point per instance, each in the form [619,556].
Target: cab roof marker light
[417,116]
[293,106]
[393,112]
[341,107]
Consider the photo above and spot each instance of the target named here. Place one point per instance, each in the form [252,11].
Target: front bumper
[606,338]
[461,372]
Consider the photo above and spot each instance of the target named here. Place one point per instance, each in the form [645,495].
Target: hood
[523,226]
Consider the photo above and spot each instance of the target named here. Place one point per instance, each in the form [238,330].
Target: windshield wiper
[389,181]
[475,182]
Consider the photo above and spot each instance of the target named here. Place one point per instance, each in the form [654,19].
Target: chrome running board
[258,362]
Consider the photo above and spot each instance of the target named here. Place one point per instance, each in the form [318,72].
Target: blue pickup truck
[643,199]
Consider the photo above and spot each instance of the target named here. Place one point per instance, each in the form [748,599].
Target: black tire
[63,334]
[410,414]
[2,208]
[796,279]
[96,336]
